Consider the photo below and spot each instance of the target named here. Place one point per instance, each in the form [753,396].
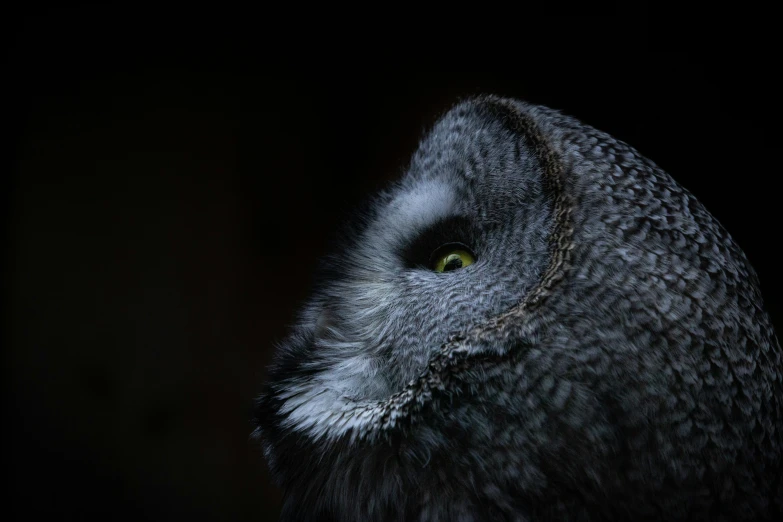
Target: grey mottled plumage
[606,357]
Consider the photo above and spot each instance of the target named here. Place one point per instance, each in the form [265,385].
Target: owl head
[535,322]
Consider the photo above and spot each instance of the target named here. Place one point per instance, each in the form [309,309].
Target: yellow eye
[451,257]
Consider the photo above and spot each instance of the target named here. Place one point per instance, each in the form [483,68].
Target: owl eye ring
[450,257]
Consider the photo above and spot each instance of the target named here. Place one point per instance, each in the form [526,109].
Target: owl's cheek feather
[323,324]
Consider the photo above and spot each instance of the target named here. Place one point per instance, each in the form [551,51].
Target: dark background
[174,178]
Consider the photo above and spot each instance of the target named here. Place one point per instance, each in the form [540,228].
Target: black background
[174,178]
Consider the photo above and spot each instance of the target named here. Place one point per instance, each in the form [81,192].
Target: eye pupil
[453,262]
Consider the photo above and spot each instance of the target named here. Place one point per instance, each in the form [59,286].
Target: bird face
[460,239]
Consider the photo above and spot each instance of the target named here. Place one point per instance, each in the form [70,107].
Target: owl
[534,323]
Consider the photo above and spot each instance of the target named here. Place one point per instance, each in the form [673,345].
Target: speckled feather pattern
[607,358]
